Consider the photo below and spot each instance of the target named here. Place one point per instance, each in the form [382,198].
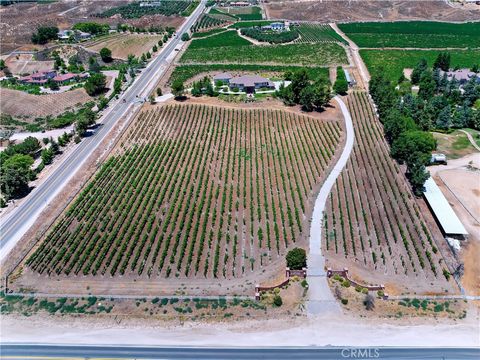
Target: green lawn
[185,72]
[417,34]
[294,54]
[392,62]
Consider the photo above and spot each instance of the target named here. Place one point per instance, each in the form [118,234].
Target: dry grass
[123,45]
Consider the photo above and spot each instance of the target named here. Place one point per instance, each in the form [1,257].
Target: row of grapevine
[371,218]
[194,191]
[207,22]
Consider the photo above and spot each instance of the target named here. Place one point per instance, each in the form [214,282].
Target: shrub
[380,293]
[106,54]
[296,259]
[304,283]
[346,283]
[277,301]
[344,301]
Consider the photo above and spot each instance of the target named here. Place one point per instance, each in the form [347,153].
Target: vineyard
[416,34]
[207,22]
[372,220]
[311,33]
[194,191]
[134,10]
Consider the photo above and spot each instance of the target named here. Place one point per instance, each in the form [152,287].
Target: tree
[444,119]
[306,98]
[340,86]
[47,156]
[178,88]
[427,86]
[2,64]
[151,98]
[185,37]
[418,70]
[53,85]
[277,300]
[287,95]
[442,61]
[369,302]
[471,92]
[159,91]
[149,56]
[395,124]
[95,84]
[321,93]
[44,34]
[300,81]
[106,55]
[463,117]
[296,259]
[155,48]
[417,173]
[14,176]
[413,142]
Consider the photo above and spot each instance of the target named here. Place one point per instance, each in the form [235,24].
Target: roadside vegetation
[167,8]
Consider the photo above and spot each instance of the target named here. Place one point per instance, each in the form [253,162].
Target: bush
[380,293]
[95,84]
[304,283]
[185,37]
[106,54]
[296,259]
[344,301]
[346,283]
[277,301]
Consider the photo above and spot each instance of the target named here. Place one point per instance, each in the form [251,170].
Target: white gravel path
[320,298]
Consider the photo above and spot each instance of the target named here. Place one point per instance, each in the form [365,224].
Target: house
[80,35]
[38,78]
[223,77]
[249,83]
[65,34]
[275,26]
[66,78]
[461,75]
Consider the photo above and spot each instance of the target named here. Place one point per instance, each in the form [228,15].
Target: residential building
[38,78]
[223,77]
[461,75]
[275,26]
[249,83]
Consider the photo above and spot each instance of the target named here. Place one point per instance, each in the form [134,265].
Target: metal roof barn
[444,213]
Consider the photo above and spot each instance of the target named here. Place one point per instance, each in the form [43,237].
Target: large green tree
[95,84]
[411,143]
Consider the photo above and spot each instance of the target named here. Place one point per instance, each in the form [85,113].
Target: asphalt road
[27,351]
[18,221]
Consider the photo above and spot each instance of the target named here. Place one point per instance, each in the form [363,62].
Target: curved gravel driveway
[320,298]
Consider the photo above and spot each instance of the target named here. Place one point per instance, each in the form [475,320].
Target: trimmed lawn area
[392,62]
[419,34]
[455,145]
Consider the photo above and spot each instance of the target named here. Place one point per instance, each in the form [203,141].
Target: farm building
[41,78]
[349,78]
[449,223]
[223,77]
[249,83]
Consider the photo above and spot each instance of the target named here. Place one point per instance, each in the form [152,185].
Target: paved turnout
[320,298]
[18,221]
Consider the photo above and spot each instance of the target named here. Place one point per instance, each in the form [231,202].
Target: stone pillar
[287,273]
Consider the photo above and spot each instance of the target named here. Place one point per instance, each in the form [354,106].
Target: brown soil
[381,10]
[25,64]
[19,20]
[126,44]
[22,105]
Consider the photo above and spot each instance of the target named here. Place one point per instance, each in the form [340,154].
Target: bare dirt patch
[22,105]
[348,11]
[126,44]
[26,64]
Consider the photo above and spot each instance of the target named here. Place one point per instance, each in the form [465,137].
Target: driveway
[320,298]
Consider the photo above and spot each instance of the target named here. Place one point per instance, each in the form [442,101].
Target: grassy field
[193,191]
[231,50]
[392,62]
[246,13]
[417,34]
[185,72]
[245,24]
[198,35]
[455,145]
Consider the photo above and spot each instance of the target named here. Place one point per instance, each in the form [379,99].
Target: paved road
[26,351]
[320,298]
[17,222]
